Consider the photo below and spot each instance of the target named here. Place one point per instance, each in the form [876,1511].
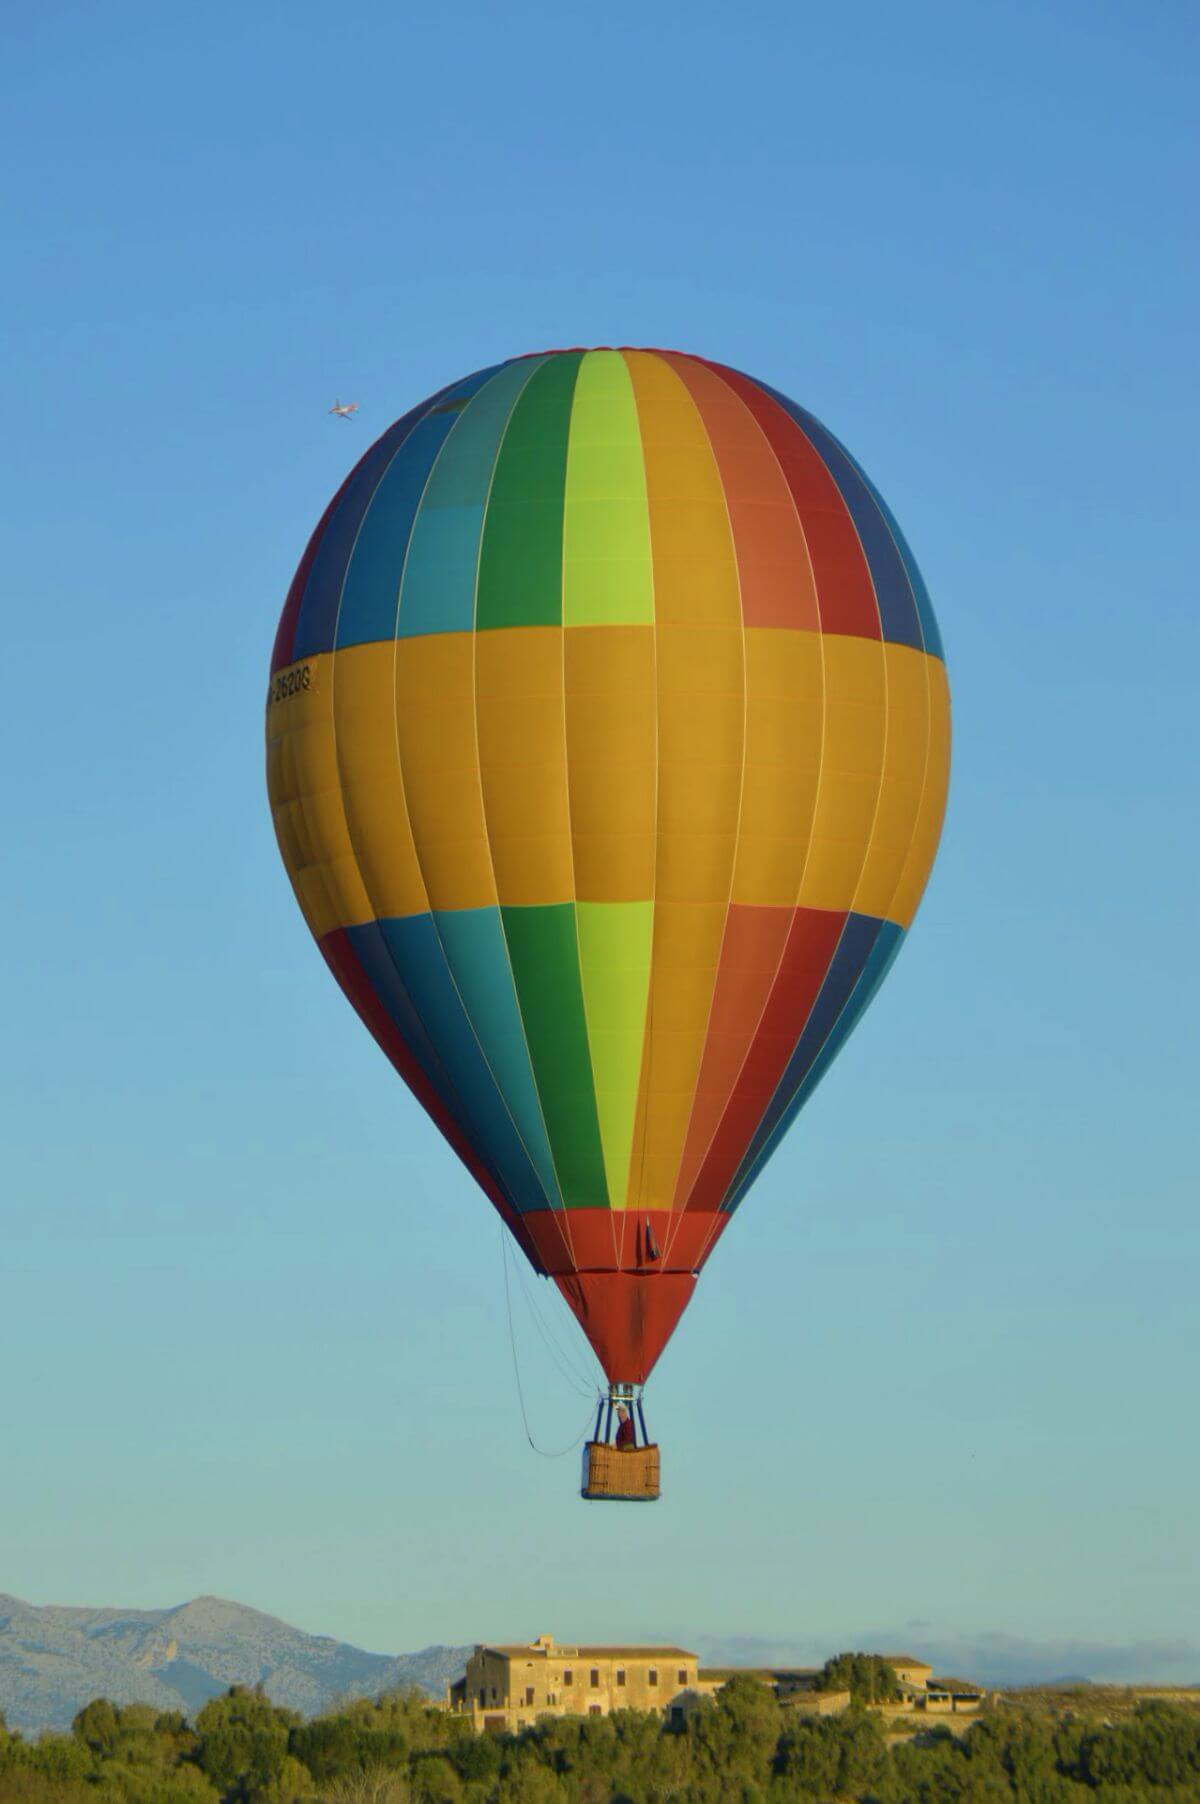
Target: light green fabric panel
[607,570]
[615,940]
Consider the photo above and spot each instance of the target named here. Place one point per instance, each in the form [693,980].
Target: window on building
[652,1676]
[529,1694]
[594,1710]
[568,1677]
[595,1678]
[620,1675]
[681,1675]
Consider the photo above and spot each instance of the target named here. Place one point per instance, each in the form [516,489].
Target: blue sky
[940,1378]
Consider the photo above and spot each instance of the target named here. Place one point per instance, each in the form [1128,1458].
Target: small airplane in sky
[345,410]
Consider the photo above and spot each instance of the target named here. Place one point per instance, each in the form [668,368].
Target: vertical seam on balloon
[645,1068]
[563,1225]
[713,1226]
[677,379]
[446,959]
[634,1203]
[562,618]
[587,1028]
[672,1229]
[451,1087]
[625,1177]
[747,1165]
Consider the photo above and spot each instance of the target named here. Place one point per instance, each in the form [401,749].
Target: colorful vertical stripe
[608,743]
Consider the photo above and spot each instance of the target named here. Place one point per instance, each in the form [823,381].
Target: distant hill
[990,1657]
[54,1659]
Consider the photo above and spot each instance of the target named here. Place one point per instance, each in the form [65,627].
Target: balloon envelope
[608,741]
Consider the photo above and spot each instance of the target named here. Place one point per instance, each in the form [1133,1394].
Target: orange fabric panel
[775,570]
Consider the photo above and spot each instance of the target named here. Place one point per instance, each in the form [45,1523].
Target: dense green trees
[742,1748]
[866,1677]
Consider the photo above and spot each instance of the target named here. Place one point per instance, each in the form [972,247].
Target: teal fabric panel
[370,594]
[476,952]
[438,594]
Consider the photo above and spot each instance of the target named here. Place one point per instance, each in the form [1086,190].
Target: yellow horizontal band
[535,765]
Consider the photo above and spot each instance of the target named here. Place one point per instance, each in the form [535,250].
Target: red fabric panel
[628,1318]
[609,1240]
[811,943]
[754,944]
[845,592]
[339,955]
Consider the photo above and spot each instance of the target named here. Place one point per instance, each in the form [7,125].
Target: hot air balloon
[607,748]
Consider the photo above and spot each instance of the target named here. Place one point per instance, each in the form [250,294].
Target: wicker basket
[623,1474]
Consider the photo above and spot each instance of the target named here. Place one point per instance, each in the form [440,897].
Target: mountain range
[55,1659]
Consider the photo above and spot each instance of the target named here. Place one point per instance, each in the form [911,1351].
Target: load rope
[545,1453]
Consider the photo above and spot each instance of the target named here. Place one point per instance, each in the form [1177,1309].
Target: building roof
[905,1660]
[960,1687]
[527,1651]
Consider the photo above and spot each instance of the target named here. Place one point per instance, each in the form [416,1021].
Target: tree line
[744,1747]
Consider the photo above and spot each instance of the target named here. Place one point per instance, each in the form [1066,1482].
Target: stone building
[509,1687]
[909,1670]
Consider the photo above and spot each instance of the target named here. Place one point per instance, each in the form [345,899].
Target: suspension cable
[575,1376]
[546,1453]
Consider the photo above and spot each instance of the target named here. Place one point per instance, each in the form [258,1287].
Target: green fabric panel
[614,959]
[545,960]
[608,576]
[520,564]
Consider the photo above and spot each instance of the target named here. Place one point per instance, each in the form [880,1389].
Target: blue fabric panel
[323,590]
[477,952]
[888,941]
[898,614]
[379,967]
[416,949]
[371,594]
[443,554]
[317,619]
[929,626]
